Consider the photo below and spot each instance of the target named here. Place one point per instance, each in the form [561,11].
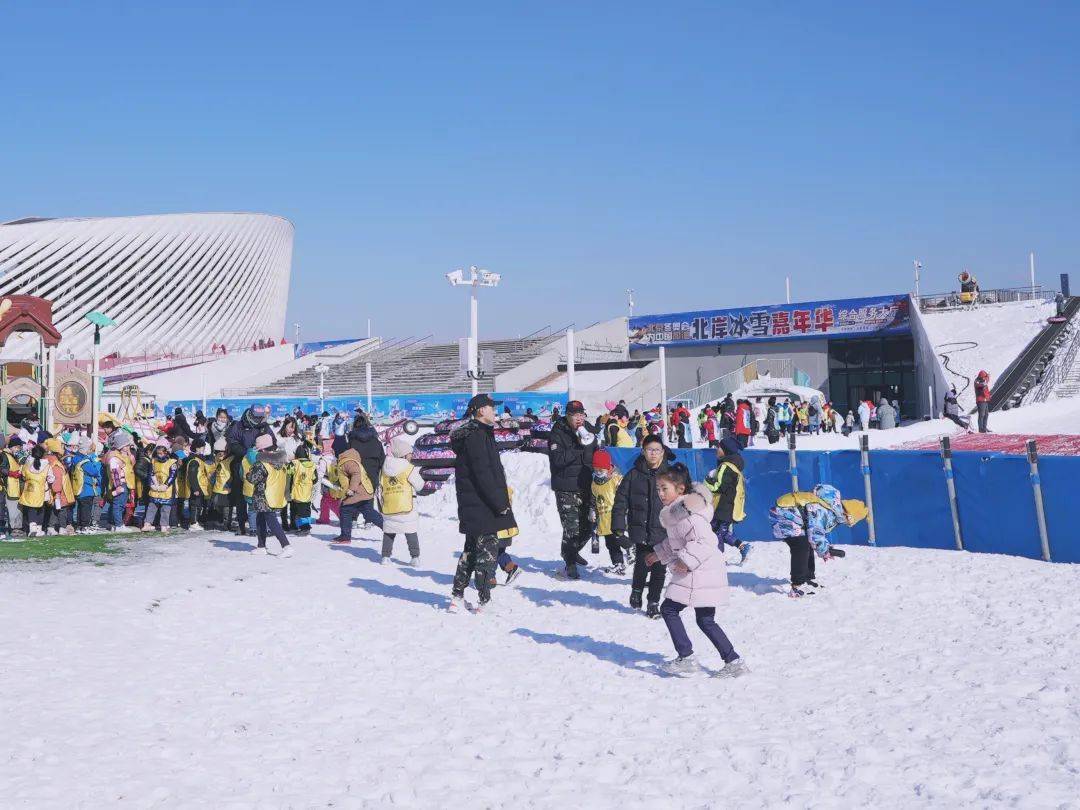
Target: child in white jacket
[398,485]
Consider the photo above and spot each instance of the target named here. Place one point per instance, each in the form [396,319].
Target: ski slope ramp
[989,337]
[190,673]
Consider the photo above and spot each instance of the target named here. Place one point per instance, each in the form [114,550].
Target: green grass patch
[58,546]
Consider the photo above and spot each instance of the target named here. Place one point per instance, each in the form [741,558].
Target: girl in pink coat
[699,575]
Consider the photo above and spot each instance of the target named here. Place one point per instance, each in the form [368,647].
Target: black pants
[477,557]
[35,515]
[654,573]
[196,509]
[300,512]
[85,512]
[984,416]
[613,549]
[268,521]
[802,560]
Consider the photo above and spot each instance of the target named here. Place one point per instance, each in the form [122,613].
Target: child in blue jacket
[85,471]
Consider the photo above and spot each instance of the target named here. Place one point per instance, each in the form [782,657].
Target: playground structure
[36,392]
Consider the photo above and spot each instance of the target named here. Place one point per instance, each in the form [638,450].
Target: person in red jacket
[982,399]
[743,427]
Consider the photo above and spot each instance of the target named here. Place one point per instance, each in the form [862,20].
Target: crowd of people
[254,476]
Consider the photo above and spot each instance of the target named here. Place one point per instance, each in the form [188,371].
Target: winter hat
[221,446]
[163,444]
[400,446]
[120,439]
[86,446]
[264,442]
[601,460]
[54,445]
[730,446]
[856,510]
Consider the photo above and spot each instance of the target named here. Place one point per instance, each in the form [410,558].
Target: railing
[938,302]
[717,389]
[596,353]
[1058,370]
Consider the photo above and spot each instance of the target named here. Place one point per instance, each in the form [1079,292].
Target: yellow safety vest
[222,475]
[397,492]
[506,534]
[60,474]
[275,486]
[604,503]
[738,509]
[334,491]
[161,473]
[34,486]
[183,491]
[303,481]
[343,480]
[623,438]
[249,488]
[78,477]
[13,486]
[202,473]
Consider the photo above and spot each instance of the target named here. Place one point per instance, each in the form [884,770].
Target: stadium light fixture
[476,278]
[321,370]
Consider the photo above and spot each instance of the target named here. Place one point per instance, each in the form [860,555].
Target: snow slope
[989,338]
[190,673]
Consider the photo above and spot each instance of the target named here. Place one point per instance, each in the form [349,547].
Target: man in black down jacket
[240,437]
[570,452]
[637,513]
[482,497]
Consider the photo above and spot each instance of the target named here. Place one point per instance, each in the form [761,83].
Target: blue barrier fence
[911,502]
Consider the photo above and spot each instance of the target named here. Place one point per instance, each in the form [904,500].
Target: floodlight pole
[476,278]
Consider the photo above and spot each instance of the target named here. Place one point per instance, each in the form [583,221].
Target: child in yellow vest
[398,485]
[35,491]
[199,474]
[268,480]
[161,488]
[61,497]
[728,487]
[303,476]
[606,480]
[220,485]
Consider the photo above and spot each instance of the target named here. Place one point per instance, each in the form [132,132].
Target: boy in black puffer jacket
[637,514]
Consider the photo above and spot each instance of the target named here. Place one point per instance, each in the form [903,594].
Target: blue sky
[698,153]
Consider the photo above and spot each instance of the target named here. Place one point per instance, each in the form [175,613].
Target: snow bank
[191,673]
[997,334]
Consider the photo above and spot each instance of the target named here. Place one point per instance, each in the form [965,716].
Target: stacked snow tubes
[436,460]
[539,435]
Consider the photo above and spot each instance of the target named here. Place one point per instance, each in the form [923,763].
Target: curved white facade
[172,282]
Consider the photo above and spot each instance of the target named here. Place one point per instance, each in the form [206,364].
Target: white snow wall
[929,371]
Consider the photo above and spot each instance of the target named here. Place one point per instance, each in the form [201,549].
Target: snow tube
[541,430]
[430,488]
[535,445]
[436,473]
[432,441]
[430,457]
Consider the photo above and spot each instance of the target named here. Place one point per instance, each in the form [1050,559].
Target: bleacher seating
[407,366]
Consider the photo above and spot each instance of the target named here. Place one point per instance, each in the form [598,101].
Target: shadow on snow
[376,588]
[610,651]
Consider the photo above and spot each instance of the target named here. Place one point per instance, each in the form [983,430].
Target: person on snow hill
[951,409]
[162,486]
[61,496]
[728,488]
[329,500]
[982,400]
[303,475]
[743,428]
[269,482]
[240,437]
[803,520]
[698,572]
[85,471]
[605,484]
[637,513]
[483,500]
[357,470]
[864,416]
[617,431]
[813,415]
[570,451]
[399,483]
[886,415]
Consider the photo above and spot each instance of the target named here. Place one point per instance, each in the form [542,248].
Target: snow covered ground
[989,338]
[191,673]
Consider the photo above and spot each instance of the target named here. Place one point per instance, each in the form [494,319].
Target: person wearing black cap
[570,452]
[483,500]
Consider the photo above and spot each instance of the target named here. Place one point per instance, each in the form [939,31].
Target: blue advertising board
[852,317]
[424,407]
[301,349]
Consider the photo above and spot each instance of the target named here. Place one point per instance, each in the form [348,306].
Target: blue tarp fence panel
[994,491]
